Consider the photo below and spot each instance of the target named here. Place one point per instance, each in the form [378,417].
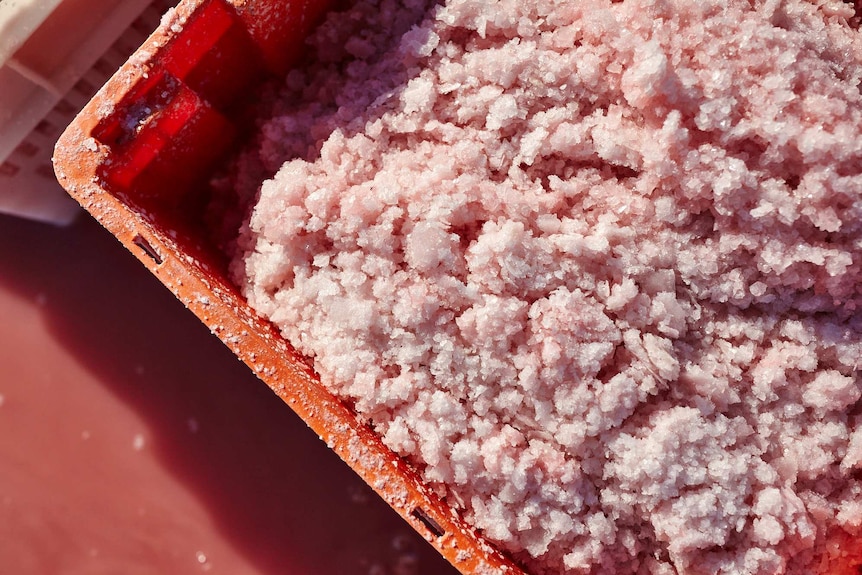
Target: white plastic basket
[54,55]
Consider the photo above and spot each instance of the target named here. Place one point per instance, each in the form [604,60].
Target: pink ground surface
[595,268]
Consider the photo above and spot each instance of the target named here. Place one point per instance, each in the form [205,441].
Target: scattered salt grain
[138,442]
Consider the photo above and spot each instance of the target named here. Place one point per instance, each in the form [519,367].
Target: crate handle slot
[147,248]
[425,519]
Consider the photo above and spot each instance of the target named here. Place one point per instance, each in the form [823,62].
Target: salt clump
[595,268]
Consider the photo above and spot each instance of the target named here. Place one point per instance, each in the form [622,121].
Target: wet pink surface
[132,441]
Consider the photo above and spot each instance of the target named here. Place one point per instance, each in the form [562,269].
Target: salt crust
[595,268]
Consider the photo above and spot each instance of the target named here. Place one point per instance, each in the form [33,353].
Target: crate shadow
[272,488]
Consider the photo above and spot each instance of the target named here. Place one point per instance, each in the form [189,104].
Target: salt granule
[594,268]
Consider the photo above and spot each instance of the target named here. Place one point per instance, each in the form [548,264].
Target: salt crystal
[501,112]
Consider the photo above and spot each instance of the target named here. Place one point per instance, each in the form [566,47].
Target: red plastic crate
[138,158]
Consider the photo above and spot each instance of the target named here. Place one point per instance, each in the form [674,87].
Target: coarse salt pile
[595,268]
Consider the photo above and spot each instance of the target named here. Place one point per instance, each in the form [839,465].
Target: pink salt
[595,268]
